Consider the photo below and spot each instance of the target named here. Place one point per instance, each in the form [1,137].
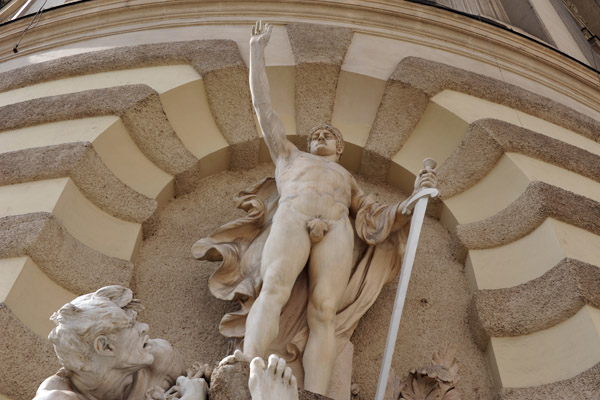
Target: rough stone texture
[81,163]
[488,139]
[539,201]
[433,77]
[229,382]
[319,44]
[534,306]
[585,386]
[319,52]
[223,72]
[22,371]
[205,56]
[475,156]
[138,106]
[374,166]
[68,262]
[228,93]
[401,108]
[171,283]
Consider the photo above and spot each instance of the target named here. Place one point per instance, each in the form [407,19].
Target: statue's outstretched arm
[269,121]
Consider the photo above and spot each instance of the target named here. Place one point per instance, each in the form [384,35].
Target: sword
[418,201]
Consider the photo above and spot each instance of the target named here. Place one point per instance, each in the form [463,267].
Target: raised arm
[269,121]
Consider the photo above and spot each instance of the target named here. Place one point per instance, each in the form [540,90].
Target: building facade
[126,129]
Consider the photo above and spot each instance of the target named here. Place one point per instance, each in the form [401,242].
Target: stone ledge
[138,106]
[67,261]
[416,80]
[534,306]
[223,72]
[488,139]
[433,77]
[539,201]
[80,162]
[204,55]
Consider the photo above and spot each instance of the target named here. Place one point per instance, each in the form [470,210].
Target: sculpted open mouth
[145,343]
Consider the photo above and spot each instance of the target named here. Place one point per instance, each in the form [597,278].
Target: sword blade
[407,263]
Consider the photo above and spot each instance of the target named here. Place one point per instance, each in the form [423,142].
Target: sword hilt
[429,164]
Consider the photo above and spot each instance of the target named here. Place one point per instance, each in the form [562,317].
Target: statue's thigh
[331,262]
[286,251]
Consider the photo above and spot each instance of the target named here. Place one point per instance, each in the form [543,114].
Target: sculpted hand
[426,178]
[192,388]
[261,34]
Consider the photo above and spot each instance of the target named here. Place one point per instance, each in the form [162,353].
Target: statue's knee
[275,294]
[322,312]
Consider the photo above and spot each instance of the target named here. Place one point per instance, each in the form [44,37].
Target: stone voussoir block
[83,165]
[487,140]
[539,201]
[138,106]
[534,306]
[319,52]
[68,262]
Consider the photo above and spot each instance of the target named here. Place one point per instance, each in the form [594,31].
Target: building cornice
[416,23]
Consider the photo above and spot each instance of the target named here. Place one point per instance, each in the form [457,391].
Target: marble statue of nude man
[106,354]
[311,225]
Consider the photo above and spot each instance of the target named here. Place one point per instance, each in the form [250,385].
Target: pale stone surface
[81,163]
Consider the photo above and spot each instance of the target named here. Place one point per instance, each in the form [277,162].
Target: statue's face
[131,349]
[323,143]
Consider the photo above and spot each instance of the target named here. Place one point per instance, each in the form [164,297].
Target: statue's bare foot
[275,382]
[237,356]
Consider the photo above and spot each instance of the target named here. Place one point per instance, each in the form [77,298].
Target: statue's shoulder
[57,388]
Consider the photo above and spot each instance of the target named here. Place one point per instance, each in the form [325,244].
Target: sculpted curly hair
[339,139]
[81,321]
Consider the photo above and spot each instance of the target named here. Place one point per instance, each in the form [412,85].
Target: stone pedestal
[230,382]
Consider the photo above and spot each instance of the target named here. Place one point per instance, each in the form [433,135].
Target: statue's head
[99,330]
[324,140]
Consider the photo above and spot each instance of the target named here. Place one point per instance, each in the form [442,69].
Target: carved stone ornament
[433,382]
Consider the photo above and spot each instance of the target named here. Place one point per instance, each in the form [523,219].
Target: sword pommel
[429,163]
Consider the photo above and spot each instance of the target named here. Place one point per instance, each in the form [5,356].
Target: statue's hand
[261,34]
[192,388]
[426,178]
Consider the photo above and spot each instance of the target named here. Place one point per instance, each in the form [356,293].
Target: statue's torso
[314,186]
